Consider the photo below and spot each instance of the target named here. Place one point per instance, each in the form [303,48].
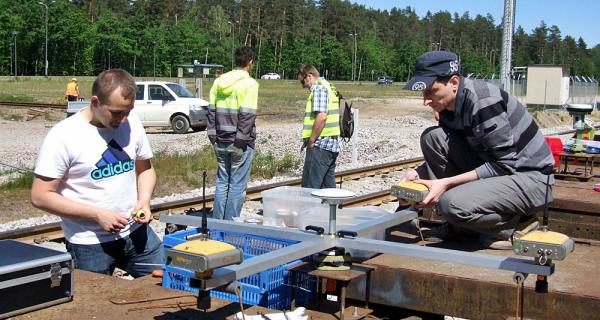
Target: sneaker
[529,223]
[525,225]
[495,244]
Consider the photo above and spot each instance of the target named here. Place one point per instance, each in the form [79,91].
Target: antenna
[204,222]
[545,219]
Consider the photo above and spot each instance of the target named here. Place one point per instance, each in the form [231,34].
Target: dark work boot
[439,233]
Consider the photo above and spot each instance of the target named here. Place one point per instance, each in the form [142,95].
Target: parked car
[163,104]
[385,80]
[270,76]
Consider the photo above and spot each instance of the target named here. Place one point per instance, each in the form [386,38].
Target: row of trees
[344,40]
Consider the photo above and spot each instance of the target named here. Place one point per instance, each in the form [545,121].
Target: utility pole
[154,60]
[354,56]
[507,34]
[109,50]
[14,33]
[46,54]
[232,41]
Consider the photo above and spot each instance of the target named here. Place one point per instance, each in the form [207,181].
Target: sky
[577,18]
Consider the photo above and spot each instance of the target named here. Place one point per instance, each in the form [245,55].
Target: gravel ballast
[380,139]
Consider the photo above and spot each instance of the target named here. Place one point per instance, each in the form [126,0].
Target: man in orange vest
[72,93]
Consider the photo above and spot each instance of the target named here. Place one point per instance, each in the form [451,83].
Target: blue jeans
[319,169]
[138,254]
[233,172]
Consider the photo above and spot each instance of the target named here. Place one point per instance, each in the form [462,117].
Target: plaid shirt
[320,103]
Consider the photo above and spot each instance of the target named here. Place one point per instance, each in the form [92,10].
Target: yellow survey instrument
[543,245]
[203,255]
[410,191]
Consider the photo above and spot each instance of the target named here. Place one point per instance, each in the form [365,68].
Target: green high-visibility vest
[332,123]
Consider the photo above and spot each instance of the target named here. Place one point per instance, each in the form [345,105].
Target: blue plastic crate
[267,288]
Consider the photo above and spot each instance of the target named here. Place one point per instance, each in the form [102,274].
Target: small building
[199,70]
[547,85]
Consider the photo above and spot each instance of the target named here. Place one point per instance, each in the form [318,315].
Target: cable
[519,304]
[15,167]
[546,214]
[238,292]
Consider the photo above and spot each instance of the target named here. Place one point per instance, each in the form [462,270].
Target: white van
[162,104]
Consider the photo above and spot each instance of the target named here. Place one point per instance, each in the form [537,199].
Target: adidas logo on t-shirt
[114,161]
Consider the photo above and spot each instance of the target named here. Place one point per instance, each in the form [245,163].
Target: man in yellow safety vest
[232,131]
[320,130]
[72,92]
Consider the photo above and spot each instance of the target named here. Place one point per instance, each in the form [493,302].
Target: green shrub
[187,168]
[11,116]
[23,182]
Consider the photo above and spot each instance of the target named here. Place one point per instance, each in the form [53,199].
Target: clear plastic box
[283,205]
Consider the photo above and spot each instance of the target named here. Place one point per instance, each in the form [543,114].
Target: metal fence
[582,89]
[518,85]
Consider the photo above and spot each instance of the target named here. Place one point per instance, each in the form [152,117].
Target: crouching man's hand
[410,175]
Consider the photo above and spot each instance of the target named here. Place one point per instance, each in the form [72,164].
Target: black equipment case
[33,277]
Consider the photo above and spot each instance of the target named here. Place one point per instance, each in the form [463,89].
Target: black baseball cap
[430,66]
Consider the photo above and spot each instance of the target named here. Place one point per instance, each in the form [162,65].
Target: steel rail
[49,231]
[32,105]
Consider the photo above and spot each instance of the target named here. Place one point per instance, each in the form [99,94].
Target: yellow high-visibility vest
[72,89]
[332,123]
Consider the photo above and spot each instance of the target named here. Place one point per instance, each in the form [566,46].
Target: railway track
[26,105]
[52,231]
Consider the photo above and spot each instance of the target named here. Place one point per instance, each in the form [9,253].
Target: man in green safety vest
[320,130]
[232,131]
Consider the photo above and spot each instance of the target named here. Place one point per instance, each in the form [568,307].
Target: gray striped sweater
[499,129]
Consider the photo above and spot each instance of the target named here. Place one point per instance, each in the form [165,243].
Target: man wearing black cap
[486,163]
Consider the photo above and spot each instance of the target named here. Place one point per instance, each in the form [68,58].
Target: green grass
[23,182]
[274,95]
[8,97]
[10,116]
[187,168]
[40,89]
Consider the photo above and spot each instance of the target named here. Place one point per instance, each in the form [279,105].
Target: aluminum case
[33,277]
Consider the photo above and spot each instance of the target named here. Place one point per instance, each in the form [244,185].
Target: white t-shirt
[97,167]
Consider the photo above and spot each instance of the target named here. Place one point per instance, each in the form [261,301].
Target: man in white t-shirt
[94,171]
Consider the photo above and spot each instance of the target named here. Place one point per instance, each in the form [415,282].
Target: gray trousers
[491,206]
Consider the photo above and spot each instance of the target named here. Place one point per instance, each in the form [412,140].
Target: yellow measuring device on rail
[410,191]
[543,245]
